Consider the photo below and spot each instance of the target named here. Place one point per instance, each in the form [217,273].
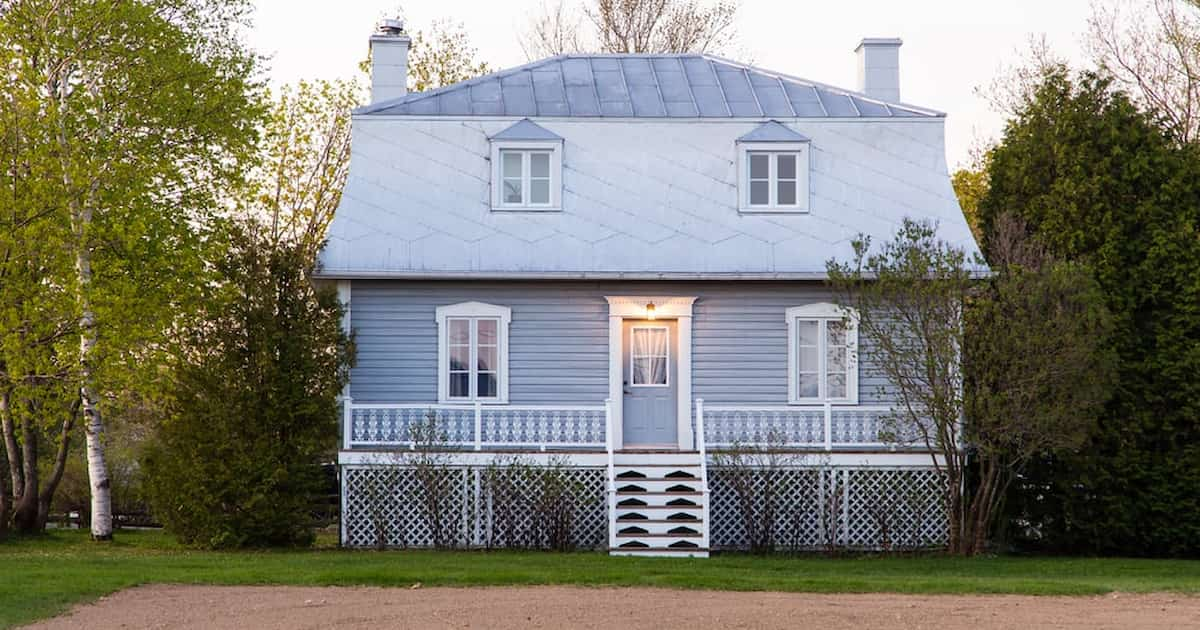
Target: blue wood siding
[558,340]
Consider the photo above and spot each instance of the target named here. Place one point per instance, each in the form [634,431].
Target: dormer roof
[773,131]
[526,129]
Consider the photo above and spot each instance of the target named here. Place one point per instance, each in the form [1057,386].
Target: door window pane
[648,356]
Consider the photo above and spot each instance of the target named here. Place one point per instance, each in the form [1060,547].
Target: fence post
[347,421]
[828,426]
[699,437]
[478,425]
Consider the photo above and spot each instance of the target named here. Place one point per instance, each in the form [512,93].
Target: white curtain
[649,356]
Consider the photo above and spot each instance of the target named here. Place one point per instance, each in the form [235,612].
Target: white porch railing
[824,426]
[476,426]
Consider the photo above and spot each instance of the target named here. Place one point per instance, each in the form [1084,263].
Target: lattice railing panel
[801,426]
[384,425]
[533,426]
[389,506]
[822,507]
[795,425]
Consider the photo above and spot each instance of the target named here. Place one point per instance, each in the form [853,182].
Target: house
[614,264]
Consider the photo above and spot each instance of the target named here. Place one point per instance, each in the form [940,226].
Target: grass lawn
[40,577]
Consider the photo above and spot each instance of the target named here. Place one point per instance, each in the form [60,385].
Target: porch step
[662,552]
[660,500]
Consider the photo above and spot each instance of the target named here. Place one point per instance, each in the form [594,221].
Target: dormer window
[773,173]
[525,175]
[526,168]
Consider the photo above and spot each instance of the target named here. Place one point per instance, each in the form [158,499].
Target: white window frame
[667,330]
[823,313]
[554,148]
[800,149]
[473,311]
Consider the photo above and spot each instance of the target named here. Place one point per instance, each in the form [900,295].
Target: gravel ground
[268,607]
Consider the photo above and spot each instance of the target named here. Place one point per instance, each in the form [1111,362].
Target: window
[526,176]
[774,177]
[822,354]
[473,352]
[649,358]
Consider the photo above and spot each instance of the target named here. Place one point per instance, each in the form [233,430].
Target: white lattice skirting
[814,508]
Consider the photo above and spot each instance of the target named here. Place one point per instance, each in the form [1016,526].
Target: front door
[649,378]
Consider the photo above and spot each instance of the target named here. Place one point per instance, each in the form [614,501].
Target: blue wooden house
[615,263]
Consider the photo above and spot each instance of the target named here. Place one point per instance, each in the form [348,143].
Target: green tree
[1100,183]
[1038,366]
[442,55]
[970,185]
[145,111]
[254,404]
[909,296]
[989,372]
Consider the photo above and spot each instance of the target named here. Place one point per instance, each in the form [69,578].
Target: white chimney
[879,67]
[389,60]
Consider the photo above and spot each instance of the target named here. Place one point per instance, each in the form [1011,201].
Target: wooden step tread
[659,507]
[658,549]
[688,465]
[696,535]
[659,521]
[629,493]
[636,480]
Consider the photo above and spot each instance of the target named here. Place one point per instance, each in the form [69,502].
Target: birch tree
[145,111]
[631,26]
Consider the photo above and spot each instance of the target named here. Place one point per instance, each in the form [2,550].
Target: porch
[587,427]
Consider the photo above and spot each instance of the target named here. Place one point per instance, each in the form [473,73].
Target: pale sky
[950,47]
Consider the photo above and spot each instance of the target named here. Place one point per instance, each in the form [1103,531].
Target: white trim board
[679,308]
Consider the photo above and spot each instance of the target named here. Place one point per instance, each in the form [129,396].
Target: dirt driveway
[269,607]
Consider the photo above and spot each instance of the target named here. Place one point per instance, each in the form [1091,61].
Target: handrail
[702,449]
[612,471]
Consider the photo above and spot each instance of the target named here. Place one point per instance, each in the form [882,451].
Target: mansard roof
[642,86]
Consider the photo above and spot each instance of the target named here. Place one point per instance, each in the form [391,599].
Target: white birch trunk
[93,423]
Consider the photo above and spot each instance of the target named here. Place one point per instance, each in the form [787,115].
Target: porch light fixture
[650,311]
